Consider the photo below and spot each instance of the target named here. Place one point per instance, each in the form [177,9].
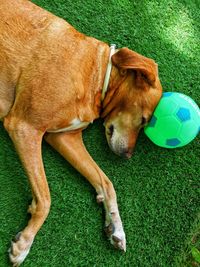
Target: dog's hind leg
[71,147]
[28,141]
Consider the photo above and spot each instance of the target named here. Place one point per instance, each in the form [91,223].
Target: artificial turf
[158,189]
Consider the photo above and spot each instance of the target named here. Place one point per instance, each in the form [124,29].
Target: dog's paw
[19,249]
[116,235]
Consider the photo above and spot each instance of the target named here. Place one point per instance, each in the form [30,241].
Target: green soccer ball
[175,121]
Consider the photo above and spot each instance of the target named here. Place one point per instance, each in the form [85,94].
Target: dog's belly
[74,125]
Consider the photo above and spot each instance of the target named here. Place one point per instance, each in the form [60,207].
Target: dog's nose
[126,154]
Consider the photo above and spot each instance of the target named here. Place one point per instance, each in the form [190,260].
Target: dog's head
[133,93]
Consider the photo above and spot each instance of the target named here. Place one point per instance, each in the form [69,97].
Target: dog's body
[51,80]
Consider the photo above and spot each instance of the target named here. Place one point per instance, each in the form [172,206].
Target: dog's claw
[116,239]
[118,243]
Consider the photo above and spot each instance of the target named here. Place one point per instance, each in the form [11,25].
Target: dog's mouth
[117,143]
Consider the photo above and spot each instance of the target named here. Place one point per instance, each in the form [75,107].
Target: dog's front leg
[71,147]
[28,141]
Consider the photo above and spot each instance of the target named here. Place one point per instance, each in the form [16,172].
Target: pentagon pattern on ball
[183,114]
[152,121]
[167,94]
[173,142]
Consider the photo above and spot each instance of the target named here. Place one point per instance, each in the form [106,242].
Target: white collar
[108,72]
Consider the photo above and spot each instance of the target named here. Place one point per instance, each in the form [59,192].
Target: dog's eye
[144,77]
[110,130]
[144,121]
[123,72]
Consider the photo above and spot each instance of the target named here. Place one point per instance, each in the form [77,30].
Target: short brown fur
[51,77]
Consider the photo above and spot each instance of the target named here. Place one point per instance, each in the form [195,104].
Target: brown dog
[51,80]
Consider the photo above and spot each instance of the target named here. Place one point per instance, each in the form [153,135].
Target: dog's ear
[145,68]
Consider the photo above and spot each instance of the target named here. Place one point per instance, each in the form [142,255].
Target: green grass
[158,189]
[191,253]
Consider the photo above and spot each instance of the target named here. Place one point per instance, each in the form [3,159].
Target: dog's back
[19,27]
[32,38]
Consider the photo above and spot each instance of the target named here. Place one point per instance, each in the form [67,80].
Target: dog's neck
[111,100]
